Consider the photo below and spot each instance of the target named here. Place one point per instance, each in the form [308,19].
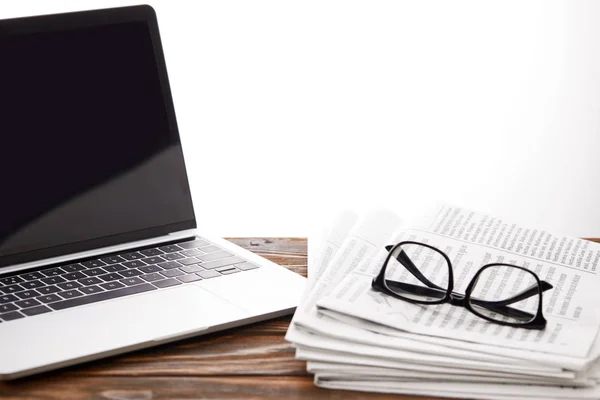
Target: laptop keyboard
[47,289]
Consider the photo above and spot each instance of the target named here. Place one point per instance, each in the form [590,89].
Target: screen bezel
[45,23]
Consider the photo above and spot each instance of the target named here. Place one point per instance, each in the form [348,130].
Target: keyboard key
[189,278]
[166,283]
[131,281]
[115,267]
[150,268]
[90,281]
[69,285]
[94,272]
[112,285]
[11,316]
[189,261]
[194,244]
[170,273]
[208,274]
[73,276]
[152,277]
[93,263]
[27,303]
[11,280]
[245,266]
[4,308]
[11,289]
[73,267]
[228,270]
[69,294]
[27,294]
[215,256]
[32,276]
[33,284]
[112,294]
[7,298]
[52,271]
[51,298]
[48,289]
[211,249]
[153,260]
[91,289]
[191,253]
[173,256]
[133,256]
[191,268]
[151,252]
[131,272]
[112,259]
[111,277]
[53,280]
[36,311]
[169,265]
[222,262]
[134,264]
[172,248]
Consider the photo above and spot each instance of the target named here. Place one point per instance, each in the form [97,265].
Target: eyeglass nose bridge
[457,299]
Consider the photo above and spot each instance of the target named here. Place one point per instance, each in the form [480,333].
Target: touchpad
[102,327]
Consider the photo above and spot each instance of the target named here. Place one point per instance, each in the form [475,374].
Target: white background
[289,110]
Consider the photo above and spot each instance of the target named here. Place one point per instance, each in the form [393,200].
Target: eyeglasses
[505,294]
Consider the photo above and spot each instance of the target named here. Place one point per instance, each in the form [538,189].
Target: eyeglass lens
[506,294]
[417,272]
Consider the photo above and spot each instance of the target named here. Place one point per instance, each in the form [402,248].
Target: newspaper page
[362,361]
[472,240]
[432,344]
[365,238]
[347,334]
[337,361]
[318,361]
[358,372]
[305,340]
[315,239]
[327,248]
[385,376]
[470,390]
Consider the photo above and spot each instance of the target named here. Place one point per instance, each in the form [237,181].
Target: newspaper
[472,240]
[351,345]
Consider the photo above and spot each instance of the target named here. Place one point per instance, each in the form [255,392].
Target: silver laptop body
[99,249]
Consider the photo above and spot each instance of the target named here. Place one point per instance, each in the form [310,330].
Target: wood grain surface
[252,362]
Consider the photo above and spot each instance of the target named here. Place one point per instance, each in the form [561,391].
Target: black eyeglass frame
[461,300]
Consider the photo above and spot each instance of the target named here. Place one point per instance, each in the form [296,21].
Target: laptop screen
[89,152]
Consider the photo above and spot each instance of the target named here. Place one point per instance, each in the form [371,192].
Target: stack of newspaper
[356,338]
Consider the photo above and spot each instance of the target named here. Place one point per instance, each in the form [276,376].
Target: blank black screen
[87,149]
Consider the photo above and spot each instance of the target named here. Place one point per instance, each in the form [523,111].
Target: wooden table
[253,362]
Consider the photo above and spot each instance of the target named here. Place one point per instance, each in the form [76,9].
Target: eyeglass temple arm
[405,260]
[506,310]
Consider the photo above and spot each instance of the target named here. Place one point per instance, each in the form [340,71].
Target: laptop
[100,252]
